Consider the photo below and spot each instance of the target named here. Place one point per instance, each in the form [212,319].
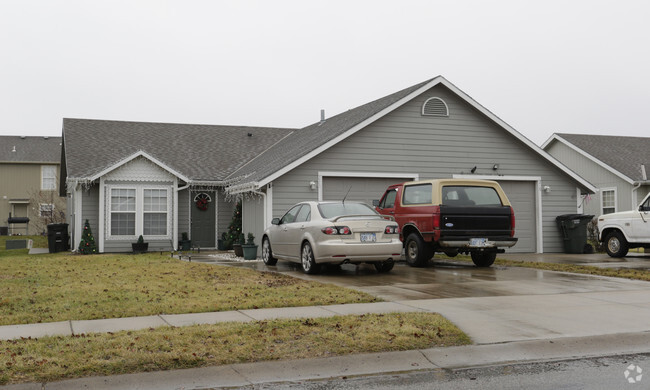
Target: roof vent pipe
[322,116]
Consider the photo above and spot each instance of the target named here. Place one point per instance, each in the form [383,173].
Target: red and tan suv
[451,216]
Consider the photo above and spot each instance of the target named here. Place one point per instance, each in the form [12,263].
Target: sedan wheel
[307,258]
[267,253]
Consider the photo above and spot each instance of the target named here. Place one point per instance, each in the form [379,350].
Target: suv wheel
[616,245]
[416,251]
[483,259]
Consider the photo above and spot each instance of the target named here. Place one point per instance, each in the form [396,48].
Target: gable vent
[435,107]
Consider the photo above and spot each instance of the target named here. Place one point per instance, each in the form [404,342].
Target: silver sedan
[315,233]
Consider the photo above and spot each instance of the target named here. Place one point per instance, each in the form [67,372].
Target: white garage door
[522,197]
[361,189]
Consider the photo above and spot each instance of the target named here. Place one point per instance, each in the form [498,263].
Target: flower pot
[186,245]
[238,250]
[140,248]
[221,245]
[250,252]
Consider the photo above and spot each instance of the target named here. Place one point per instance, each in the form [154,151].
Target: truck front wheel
[616,245]
[483,259]
[416,251]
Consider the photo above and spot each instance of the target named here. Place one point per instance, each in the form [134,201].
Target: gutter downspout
[263,194]
[634,198]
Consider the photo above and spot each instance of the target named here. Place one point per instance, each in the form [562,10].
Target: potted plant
[250,249]
[140,246]
[186,244]
[237,246]
[221,243]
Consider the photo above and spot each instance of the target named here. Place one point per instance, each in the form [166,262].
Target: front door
[204,205]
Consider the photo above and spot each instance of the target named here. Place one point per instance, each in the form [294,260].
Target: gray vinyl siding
[404,141]
[183,212]
[596,175]
[90,210]
[253,218]
[224,212]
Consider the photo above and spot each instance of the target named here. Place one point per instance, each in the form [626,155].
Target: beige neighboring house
[29,181]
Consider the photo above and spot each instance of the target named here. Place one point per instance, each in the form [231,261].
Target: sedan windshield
[331,210]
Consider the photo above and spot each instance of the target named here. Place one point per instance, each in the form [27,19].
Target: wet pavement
[450,278]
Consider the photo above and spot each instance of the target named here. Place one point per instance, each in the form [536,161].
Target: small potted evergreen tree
[186,243]
[237,246]
[140,246]
[250,249]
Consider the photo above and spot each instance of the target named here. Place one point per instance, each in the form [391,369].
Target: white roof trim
[135,155]
[435,81]
[607,167]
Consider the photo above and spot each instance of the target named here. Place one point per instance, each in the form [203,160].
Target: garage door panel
[522,198]
[361,189]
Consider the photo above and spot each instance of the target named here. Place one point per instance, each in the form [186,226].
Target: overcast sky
[542,67]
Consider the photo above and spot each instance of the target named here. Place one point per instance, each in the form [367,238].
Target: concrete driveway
[501,304]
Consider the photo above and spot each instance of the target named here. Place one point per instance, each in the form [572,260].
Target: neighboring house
[29,178]
[618,166]
[130,178]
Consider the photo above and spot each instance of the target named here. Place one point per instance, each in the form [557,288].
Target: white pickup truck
[627,229]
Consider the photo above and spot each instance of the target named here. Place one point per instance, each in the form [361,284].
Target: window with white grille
[48,177]
[435,107]
[608,199]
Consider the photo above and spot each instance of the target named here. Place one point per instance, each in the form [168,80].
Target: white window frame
[139,211]
[45,169]
[48,205]
[602,199]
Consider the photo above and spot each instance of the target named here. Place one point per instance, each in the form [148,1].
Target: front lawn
[56,358]
[64,286]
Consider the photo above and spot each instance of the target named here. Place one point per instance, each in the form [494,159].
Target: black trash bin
[57,237]
[573,228]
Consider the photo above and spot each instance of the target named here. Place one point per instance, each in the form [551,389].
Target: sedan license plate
[478,242]
[368,237]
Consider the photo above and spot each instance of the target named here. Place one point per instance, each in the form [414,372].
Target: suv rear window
[470,196]
[417,194]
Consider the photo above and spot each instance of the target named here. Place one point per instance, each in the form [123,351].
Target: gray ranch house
[618,166]
[132,178]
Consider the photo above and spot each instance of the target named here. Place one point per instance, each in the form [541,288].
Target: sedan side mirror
[275,221]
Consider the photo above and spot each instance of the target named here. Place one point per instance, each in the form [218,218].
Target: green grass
[55,358]
[64,286]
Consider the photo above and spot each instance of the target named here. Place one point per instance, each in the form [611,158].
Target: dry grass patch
[54,358]
[59,287]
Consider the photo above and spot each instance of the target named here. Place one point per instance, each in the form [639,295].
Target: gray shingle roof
[624,154]
[305,140]
[30,149]
[198,152]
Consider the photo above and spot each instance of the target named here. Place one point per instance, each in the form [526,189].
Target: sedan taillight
[391,229]
[337,230]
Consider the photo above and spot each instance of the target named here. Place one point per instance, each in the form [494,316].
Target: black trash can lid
[567,217]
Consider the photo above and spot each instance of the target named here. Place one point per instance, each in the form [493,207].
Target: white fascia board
[590,157]
[134,156]
[519,136]
[351,131]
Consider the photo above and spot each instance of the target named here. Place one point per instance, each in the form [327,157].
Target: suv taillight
[334,230]
[512,222]
[436,217]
